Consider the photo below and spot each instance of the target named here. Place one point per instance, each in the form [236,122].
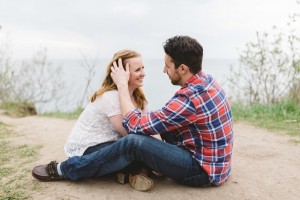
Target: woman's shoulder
[108,96]
[110,93]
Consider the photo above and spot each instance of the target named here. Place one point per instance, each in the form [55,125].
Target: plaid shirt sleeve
[178,112]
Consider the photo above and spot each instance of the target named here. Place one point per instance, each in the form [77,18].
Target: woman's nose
[143,73]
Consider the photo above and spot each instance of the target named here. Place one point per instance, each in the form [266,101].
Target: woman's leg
[97,147]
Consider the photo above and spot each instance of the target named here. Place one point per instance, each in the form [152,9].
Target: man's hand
[119,75]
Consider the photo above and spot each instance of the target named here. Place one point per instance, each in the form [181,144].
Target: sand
[265,165]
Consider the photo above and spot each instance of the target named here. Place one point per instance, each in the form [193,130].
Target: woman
[100,123]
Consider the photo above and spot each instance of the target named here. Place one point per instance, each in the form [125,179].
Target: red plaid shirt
[200,119]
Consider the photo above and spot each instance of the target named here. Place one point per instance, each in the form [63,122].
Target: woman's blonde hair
[108,83]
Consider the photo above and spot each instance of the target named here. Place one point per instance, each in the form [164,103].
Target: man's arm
[178,112]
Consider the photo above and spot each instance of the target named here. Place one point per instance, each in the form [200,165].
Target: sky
[70,28]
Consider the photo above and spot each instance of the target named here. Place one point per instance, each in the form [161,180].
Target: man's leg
[162,157]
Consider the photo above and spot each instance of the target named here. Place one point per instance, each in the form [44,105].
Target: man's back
[199,119]
[210,136]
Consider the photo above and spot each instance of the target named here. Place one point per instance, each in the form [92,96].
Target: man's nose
[165,69]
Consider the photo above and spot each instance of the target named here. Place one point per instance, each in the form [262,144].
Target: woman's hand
[121,78]
[119,75]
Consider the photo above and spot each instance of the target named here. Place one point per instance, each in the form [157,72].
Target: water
[157,86]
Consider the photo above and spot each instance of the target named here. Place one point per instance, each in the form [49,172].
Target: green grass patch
[26,151]
[66,115]
[15,178]
[5,171]
[283,116]
[18,109]
[295,141]
[4,131]
[20,153]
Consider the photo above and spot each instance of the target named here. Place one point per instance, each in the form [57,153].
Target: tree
[269,68]
[5,71]
[89,66]
[30,82]
[37,80]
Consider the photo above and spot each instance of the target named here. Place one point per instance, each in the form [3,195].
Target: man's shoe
[46,172]
[140,182]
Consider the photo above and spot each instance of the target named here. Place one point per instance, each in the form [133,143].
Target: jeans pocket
[199,180]
[198,177]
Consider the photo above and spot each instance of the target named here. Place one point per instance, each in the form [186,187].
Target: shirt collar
[199,76]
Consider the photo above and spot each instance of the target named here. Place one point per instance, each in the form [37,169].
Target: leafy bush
[23,86]
[18,109]
[269,68]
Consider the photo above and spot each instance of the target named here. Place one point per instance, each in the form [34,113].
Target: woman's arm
[116,121]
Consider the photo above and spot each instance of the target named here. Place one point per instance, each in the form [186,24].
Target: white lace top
[93,126]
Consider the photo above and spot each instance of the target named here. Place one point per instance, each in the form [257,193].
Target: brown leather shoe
[140,182]
[46,172]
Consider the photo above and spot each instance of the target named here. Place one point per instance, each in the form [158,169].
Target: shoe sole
[140,182]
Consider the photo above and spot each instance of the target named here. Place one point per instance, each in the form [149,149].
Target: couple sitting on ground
[192,134]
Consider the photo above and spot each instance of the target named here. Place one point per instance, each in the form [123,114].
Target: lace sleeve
[110,103]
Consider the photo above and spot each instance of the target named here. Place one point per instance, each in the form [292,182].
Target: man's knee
[139,140]
[133,138]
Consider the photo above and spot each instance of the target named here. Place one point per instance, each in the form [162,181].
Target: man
[196,124]
[198,118]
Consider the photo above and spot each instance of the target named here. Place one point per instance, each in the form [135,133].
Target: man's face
[169,68]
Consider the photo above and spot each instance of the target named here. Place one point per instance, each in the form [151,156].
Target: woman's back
[93,126]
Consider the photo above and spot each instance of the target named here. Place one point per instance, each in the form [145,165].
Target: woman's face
[137,73]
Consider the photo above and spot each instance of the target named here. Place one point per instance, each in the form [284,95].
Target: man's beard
[176,81]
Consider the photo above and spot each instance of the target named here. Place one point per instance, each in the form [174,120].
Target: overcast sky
[68,27]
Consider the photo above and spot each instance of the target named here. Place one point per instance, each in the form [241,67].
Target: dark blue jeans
[168,159]
[97,147]
[135,166]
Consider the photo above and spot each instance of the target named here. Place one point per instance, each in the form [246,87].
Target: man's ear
[183,69]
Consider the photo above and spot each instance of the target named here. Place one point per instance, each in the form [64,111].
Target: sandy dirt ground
[265,166]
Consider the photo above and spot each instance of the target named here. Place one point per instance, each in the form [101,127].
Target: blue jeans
[168,159]
[132,168]
[97,147]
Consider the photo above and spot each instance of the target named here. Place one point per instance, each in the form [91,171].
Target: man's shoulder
[192,89]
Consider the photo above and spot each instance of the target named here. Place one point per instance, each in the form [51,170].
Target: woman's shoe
[46,173]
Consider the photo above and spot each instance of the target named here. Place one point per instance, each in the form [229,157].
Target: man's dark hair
[185,50]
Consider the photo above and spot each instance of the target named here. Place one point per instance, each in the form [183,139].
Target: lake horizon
[157,86]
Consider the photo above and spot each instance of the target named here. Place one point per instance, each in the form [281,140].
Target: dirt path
[265,166]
